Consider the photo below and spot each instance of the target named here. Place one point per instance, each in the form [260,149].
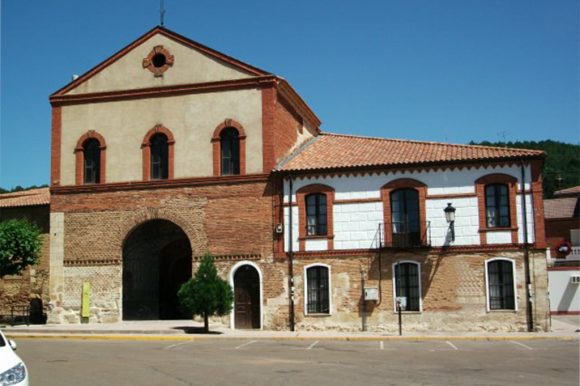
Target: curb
[282,338]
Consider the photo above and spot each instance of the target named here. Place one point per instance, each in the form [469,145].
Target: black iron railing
[402,235]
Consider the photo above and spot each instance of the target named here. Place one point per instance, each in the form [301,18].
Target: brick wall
[33,282]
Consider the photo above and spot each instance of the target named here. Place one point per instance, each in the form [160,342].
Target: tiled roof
[337,151]
[560,207]
[567,192]
[40,196]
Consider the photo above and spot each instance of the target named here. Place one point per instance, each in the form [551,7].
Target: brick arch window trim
[301,195]
[146,151]
[79,156]
[480,184]
[403,183]
[216,145]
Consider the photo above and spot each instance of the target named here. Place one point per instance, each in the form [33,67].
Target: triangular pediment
[157,59]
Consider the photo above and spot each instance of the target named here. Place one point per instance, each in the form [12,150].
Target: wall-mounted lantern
[450,217]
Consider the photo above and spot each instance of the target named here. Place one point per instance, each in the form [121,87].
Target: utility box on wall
[372,294]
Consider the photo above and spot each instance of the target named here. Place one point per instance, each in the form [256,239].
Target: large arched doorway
[156,261]
[247,297]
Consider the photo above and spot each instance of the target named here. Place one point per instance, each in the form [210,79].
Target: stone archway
[156,261]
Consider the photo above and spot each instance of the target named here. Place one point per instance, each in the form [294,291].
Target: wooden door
[247,298]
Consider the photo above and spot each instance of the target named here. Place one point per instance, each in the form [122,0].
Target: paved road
[300,362]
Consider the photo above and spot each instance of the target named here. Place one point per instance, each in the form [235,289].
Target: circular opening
[159,60]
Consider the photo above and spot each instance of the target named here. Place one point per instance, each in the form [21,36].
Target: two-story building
[169,149]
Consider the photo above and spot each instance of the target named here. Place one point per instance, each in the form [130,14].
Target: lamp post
[450,217]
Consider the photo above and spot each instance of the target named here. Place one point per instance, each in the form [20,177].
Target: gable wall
[190,66]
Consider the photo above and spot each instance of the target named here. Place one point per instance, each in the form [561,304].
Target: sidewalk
[563,327]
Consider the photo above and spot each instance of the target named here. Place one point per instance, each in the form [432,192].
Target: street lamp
[450,217]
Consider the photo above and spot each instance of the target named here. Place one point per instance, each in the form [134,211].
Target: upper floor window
[159,157]
[317,297]
[405,217]
[230,151]
[158,154]
[501,284]
[90,154]
[92,161]
[497,208]
[316,215]
[408,284]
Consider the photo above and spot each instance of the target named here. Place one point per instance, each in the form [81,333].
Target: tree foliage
[20,245]
[206,294]
[19,188]
[562,167]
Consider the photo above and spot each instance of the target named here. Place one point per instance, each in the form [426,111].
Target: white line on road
[312,345]
[521,344]
[452,345]
[382,345]
[176,345]
[245,344]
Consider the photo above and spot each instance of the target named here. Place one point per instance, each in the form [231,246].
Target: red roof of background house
[568,192]
[337,151]
[40,196]
[560,207]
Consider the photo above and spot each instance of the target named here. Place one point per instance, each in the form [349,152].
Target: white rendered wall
[356,223]
[564,296]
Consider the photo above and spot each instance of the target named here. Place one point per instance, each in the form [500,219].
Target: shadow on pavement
[196,330]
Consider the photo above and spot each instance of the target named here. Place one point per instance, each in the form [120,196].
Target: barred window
[159,157]
[316,215]
[407,284]
[500,281]
[317,290]
[230,152]
[92,161]
[497,209]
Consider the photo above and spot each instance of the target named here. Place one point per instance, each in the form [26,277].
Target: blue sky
[442,70]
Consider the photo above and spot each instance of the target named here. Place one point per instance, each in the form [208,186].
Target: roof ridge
[512,149]
[21,193]
[295,153]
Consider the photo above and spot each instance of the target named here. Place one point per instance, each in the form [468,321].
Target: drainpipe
[290,256]
[529,302]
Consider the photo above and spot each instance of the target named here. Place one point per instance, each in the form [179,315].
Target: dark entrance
[156,261]
[247,298]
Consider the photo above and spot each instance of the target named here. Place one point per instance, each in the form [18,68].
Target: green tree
[206,294]
[20,245]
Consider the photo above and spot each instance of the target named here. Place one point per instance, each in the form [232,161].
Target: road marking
[245,344]
[176,345]
[452,345]
[312,345]
[382,345]
[521,344]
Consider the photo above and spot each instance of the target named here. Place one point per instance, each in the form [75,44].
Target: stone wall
[33,281]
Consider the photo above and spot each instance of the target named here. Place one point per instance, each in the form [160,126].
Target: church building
[169,149]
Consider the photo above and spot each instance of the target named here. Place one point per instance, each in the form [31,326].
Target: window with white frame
[407,283]
[317,289]
[500,284]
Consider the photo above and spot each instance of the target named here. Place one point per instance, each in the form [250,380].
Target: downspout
[290,256]
[529,302]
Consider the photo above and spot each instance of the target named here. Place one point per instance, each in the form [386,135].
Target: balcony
[401,236]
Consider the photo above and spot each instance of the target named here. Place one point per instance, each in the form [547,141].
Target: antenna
[162,11]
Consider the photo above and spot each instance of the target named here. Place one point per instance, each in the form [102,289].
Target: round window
[159,60]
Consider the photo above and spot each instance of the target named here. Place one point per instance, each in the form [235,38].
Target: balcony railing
[400,236]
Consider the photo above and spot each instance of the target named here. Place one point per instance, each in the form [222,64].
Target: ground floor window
[317,289]
[500,285]
[408,284]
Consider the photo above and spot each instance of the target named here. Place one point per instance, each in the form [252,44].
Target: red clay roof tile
[40,196]
[338,151]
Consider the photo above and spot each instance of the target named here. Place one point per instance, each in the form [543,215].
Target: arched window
[500,284]
[405,221]
[230,152]
[159,157]
[316,215]
[407,282]
[90,154]
[405,217]
[497,208]
[92,161]
[317,289]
